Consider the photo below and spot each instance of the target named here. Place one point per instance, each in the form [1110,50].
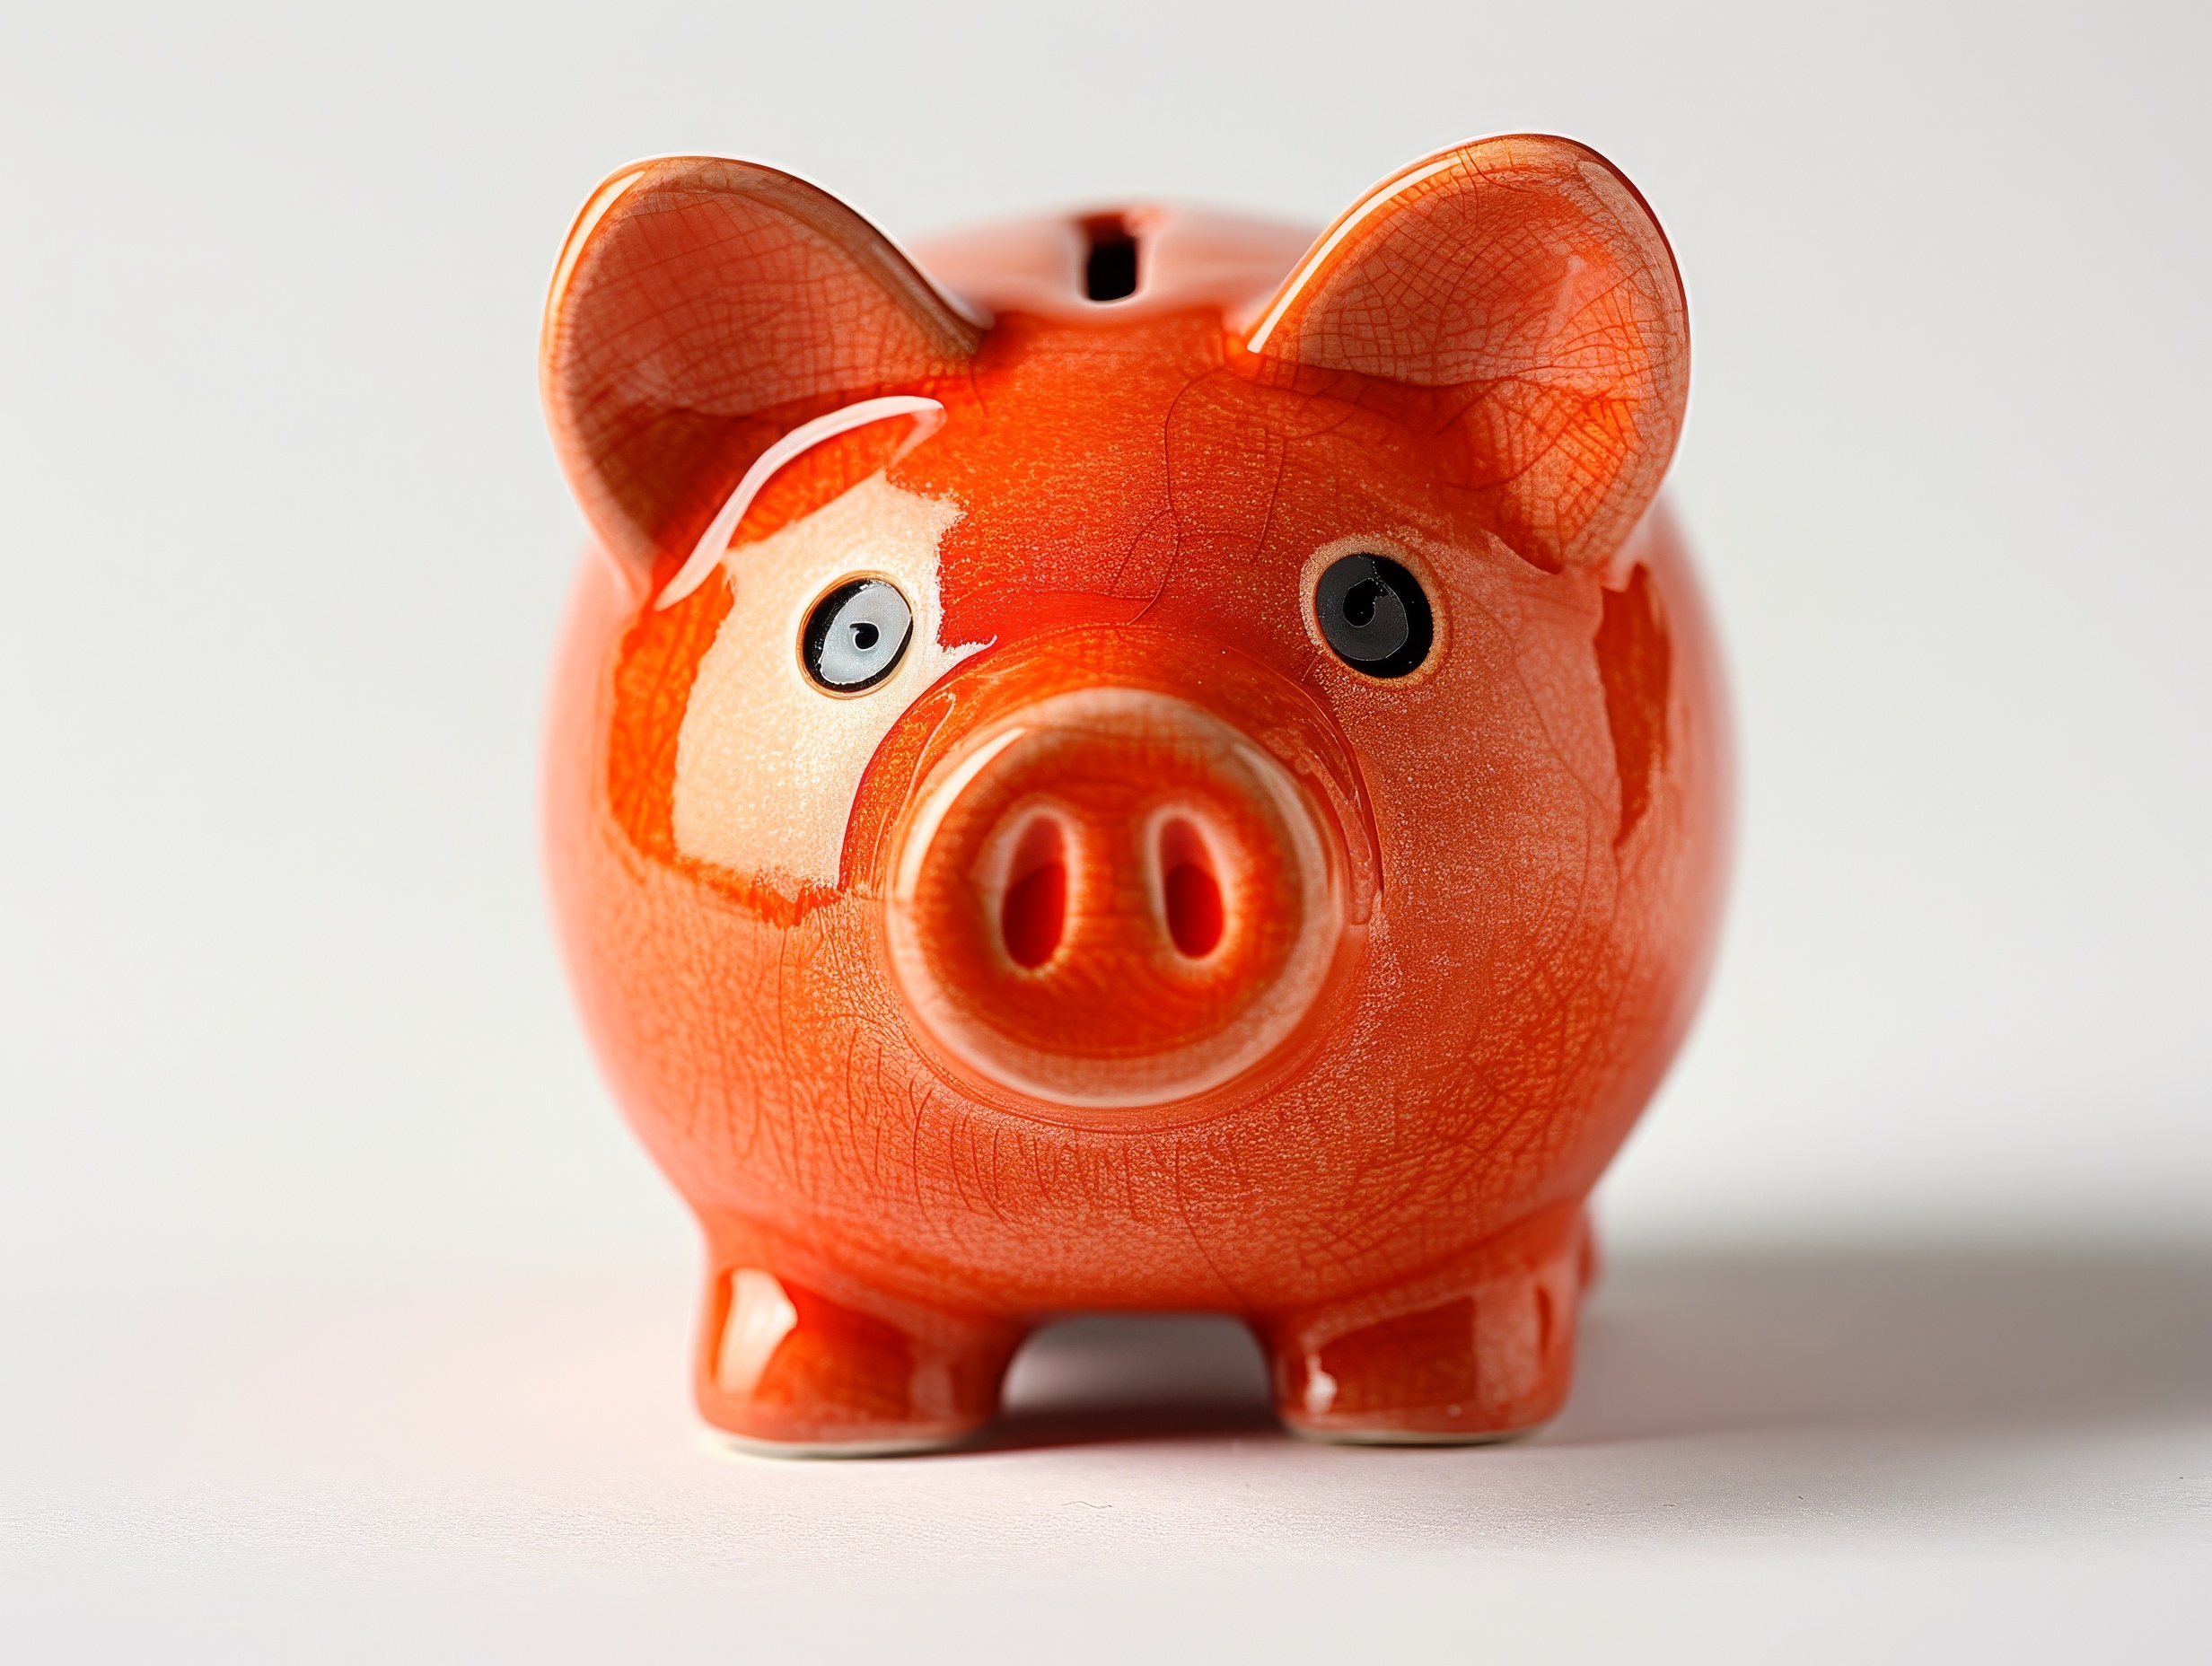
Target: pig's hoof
[786,1371]
[1419,1379]
[1479,1351]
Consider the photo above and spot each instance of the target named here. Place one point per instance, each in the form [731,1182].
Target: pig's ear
[1524,283]
[701,309]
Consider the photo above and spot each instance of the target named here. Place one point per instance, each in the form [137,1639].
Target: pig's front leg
[785,1369]
[1482,1349]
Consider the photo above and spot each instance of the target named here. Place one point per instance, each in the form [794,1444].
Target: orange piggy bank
[1146,761]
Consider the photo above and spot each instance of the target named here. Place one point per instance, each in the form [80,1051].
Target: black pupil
[864,637]
[1374,615]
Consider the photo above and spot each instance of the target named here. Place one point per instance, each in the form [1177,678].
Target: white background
[342,1310]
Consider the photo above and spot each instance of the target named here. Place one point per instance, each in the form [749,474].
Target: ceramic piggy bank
[1140,760]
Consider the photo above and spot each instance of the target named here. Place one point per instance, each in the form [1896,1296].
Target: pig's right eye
[856,635]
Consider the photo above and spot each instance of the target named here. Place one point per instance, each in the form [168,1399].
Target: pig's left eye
[1374,615]
[856,635]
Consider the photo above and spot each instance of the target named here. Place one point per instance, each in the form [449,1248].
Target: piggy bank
[1137,760]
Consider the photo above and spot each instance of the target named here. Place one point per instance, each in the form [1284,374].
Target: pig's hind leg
[1480,1349]
[785,1370]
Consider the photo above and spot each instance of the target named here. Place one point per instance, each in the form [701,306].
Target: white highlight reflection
[715,540]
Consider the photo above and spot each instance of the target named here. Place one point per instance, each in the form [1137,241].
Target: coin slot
[1110,265]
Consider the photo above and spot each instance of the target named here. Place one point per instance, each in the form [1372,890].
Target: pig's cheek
[768,764]
[1492,783]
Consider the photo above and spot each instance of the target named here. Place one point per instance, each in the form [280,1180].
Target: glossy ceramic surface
[1010,864]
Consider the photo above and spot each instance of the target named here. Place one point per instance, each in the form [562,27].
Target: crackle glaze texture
[1127,947]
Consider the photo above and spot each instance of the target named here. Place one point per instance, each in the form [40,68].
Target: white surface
[1840,1455]
[285,542]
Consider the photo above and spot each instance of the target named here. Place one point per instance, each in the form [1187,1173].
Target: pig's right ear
[701,309]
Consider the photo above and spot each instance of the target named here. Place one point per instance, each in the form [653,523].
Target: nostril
[1193,911]
[1189,891]
[1033,914]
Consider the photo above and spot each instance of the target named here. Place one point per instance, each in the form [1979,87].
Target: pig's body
[1477,900]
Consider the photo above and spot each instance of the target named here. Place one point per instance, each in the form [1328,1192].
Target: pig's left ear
[701,309]
[1525,283]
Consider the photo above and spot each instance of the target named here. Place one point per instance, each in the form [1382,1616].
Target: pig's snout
[1113,899]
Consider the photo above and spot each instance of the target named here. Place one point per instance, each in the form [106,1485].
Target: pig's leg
[1480,1349]
[784,1368]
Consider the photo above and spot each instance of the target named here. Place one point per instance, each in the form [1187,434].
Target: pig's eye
[1373,612]
[856,635]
